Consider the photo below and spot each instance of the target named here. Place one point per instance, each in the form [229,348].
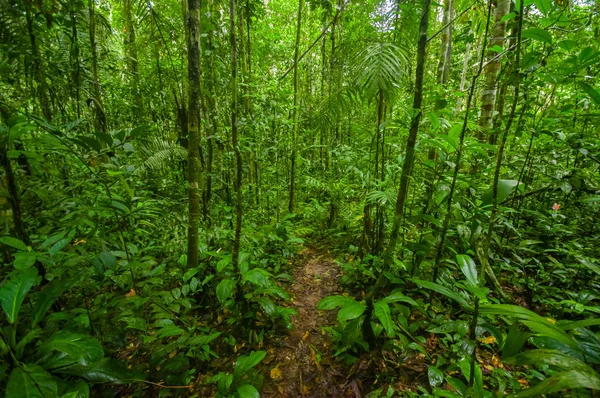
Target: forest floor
[301,364]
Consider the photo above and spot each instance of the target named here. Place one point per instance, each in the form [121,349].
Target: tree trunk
[193,131]
[412,136]
[234,139]
[488,99]
[443,69]
[42,88]
[463,77]
[100,116]
[132,59]
[295,109]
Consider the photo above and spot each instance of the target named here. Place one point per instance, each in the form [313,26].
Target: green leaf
[537,34]
[25,260]
[445,291]
[79,389]
[244,363]
[533,321]
[199,341]
[108,259]
[382,312]
[248,391]
[13,242]
[258,277]
[46,298]
[190,273]
[468,268]
[396,296]
[436,377]
[505,188]
[514,341]
[331,302]
[545,6]
[589,90]
[28,338]
[508,17]
[548,357]
[224,289]
[561,381]
[72,347]
[31,381]
[13,292]
[567,45]
[352,332]
[351,311]
[106,370]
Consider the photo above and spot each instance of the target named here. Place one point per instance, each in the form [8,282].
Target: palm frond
[380,67]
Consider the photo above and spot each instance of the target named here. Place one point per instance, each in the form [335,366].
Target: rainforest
[299,198]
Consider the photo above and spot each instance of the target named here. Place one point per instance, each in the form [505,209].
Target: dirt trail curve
[300,364]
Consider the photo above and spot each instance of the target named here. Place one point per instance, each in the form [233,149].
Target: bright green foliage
[96,293]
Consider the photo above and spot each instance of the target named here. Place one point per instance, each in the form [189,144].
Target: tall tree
[488,98]
[409,157]
[96,100]
[193,131]
[234,137]
[132,57]
[295,109]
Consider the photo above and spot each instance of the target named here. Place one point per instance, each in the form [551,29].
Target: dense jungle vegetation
[285,198]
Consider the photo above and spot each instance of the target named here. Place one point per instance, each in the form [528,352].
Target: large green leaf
[351,311]
[382,312]
[244,363]
[13,292]
[31,381]
[548,357]
[592,92]
[46,298]
[537,34]
[468,268]
[561,381]
[545,6]
[71,347]
[331,302]
[436,377]
[445,291]
[532,320]
[396,296]
[258,277]
[505,188]
[13,242]
[224,289]
[248,391]
[107,370]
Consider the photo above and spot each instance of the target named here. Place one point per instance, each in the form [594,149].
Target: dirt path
[300,364]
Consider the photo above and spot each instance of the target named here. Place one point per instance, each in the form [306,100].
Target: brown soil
[300,364]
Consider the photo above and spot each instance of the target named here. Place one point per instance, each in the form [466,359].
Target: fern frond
[158,152]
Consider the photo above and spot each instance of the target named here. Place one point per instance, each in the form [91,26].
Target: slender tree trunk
[443,68]
[412,136]
[100,116]
[74,54]
[446,223]
[295,109]
[463,77]
[234,138]
[38,71]
[132,58]
[193,131]
[488,238]
[488,99]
